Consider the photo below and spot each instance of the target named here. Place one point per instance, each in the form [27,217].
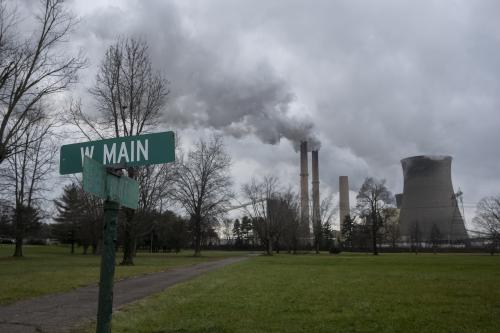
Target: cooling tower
[428,200]
[344,209]
[315,188]
[304,193]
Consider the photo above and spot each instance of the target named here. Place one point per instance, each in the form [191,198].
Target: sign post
[106,281]
[107,183]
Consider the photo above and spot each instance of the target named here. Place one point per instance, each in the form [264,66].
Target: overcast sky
[372,81]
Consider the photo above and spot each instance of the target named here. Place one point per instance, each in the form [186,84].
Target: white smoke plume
[258,104]
[211,87]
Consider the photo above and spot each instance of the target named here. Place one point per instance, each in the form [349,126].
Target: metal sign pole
[105,307]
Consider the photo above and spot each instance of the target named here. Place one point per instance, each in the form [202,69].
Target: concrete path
[65,311]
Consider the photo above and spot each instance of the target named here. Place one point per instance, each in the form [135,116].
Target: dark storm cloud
[375,81]
[238,100]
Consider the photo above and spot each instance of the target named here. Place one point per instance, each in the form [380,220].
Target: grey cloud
[205,91]
[379,81]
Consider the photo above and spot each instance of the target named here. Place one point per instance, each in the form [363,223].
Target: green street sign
[124,190]
[99,182]
[94,178]
[124,152]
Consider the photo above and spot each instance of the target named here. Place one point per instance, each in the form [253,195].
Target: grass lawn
[49,269]
[344,293]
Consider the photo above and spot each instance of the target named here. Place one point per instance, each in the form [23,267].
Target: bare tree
[129,94]
[92,227]
[488,219]
[390,221]
[203,185]
[262,194]
[31,70]
[227,229]
[130,97]
[156,184]
[327,210]
[372,198]
[25,175]
[416,237]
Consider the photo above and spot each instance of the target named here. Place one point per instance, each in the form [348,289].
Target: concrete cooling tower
[429,207]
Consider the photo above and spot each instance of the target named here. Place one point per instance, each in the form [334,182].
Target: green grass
[50,269]
[345,293]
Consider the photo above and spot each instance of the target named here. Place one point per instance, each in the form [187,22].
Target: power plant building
[428,205]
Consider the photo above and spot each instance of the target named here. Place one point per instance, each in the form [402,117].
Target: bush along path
[65,311]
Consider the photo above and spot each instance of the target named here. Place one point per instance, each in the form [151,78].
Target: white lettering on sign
[87,151]
[109,155]
[132,151]
[123,153]
[141,149]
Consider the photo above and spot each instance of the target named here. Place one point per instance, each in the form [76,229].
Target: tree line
[130,97]
[375,221]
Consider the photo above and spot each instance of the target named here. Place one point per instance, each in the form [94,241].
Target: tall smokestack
[316,218]
[344,208]
[304,190]
[315,188]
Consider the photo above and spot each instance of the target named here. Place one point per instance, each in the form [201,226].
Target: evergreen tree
[70,214]
[237,233]
[246,230]
[347,231]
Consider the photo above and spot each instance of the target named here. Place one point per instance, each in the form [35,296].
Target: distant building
[428,204]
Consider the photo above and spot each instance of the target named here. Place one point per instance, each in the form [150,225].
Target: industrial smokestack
[429,204]
[344,208]
[315,189]
[304,190]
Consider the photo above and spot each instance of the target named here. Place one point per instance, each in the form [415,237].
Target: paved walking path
[64,311]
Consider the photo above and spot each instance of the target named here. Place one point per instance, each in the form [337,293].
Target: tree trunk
[128,241]
[18,252]
[99,246]
[134,247]
[151,243]
[317,237]
[374,234]
[269,250]
[197,236]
